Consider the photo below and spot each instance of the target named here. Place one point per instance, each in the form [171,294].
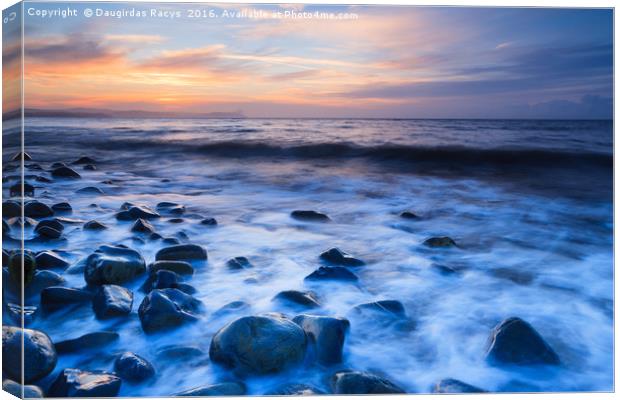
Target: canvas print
[207,199]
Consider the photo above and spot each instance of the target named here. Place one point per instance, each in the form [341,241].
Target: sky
[382,62]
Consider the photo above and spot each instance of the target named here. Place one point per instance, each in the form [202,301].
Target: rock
[39,354]
[176,220]
[155,236]
[41,280]
[391,308]
[339,257]
[443,241]
[17,189]
[58,165]
[49,259]
[209,222]
[94,340]
[89,190]
[355,382]
[327,334]
[51,223]
[22,392]
[65,172]
[259,344]
[445,269]
[136,212]
[180,353]
[62,207]
[113,265]
[170,208]
[20,155]
[84,160]
[455,386]
[6,229]
[409,215]
[332,274]
[112,301]
[239,263]
[49,233]
[295,389]
[218,389]
[36,209]
[76,383]
[16,259]
[171,240]
[180,267]
[514,341]
[11,209]
[295,297]
[182,252]
[132,367]
[167,308]
[94,225]
[55,297]
[308,215]
[162,279]
[89,167]
[142,226]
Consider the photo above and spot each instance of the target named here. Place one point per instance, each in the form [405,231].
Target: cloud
[139,39]
[588,107]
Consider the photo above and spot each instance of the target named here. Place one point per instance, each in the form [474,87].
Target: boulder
[22,262]
[455,386]
[94,340]
[76,383]
[41,280]
[62,207]
[259,344]
[182,252]
[55,297]
[170,208]
[49,259]
[514,341]
[171,240]
[89,190]
[142,226]
[65,172]
[327,334]
[385,313]
[11,209]
[133,368]
[238,263]
[295,389]
[297,298]
[136,212]
[209,222]
[112,301]
[36,209]
[442,241]
[309,215]
[84,160]
[356,382]
[180,267]
[218,389]
[332,274]
[22,392]
[409,215]
[167,308]
[39,354]
[49,233]
[94,225]
[51,223]
[113,265]
[338,257]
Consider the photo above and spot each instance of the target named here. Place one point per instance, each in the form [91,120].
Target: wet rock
[455,386]
[155,236]
[332,274]
[409,215]
[36,209]
[22,392]
[11,209]
[167,308]
[93,340]
[20,155]
[132,367]
[6,229]
[41,280]
[84,160]
[295,389]
[443,241]
[55,297]
[514,341]
[182,252]
[391,308]
[22,262]
[38,351]
[218,389]
[136,212]
[259,344]
[112,301]
[297,298]
[89,167]
[142,226]
[327,334]
[76,383]
[113,265]
[89,190]
[179,267]
[162,279]
[338,257]
[16,190]
[58,165]
[49,259]
[49,233]
[176,220]
[355,382]
[239,263]
[171,240]
[65,172]
[94,225]
[170,208]
[209,222]
[51,223]
[309,215]
[62,207]
[445,269]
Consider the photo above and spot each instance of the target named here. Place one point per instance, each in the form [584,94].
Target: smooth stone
[327,334]
[339,257]
[142,226]
[11,209]
[409,215]
[309,215]
[52,223]
[180,267]
[356,382]
[94,225]
[162,279]
[443,241]
[65,172]
[84,160]
[332,274]
[49,259]
[76,383]
[90,190]
[20,155]
[239,263]
[295,297]
[49,233]
[171,240]
[133,368]
[16,190]
[155,236]
[22,268]
[93,340]
[113,265]
[391,308]
[136,212]
[259,344]
[167,308]
[170,208]
[514,341]
[26,391]
[295,389]
[89,167]
[218,389]
[36,209]
[55,297]
[41,280]
[112,301]
[39,354]
[209,222]
[182,252]
[455,386]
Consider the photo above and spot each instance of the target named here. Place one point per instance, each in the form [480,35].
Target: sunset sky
[409,62]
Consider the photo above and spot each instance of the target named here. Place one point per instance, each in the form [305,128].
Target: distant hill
[96,113]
